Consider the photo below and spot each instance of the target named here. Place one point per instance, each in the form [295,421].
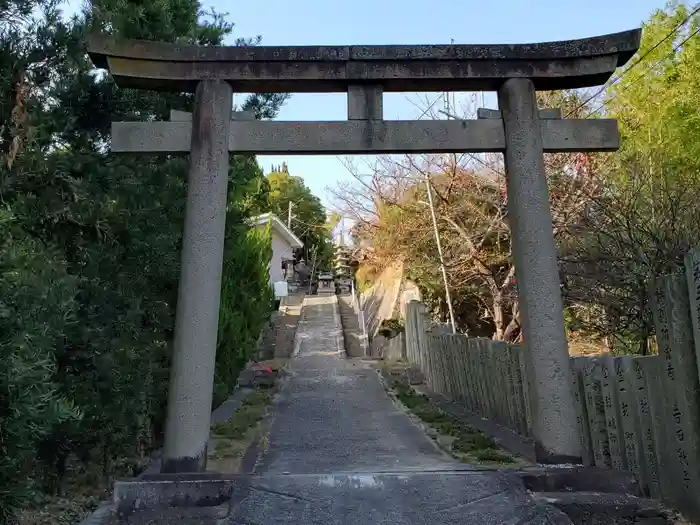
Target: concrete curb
[102,513]
[255,451]
[505,438]
[302,320]
[178,491]
[152,491]
[427,429]
[222,413]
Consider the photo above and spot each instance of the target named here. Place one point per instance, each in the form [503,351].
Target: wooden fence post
[527,386]
[611,410]
[596,412]
[577,365]
[411,335]
[636,424]
[674,333]
[692,275]
[465,351]
[425,356]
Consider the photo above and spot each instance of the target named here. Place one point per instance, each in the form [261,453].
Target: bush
[390,328]
[246,303]
[36,305]
[90,255]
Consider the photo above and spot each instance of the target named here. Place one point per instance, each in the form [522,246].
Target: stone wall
[379,301]
[639,414]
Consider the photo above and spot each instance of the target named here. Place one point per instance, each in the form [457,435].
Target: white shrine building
[284,242]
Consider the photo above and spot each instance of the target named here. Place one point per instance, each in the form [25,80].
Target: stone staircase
[352,332]
[286,325]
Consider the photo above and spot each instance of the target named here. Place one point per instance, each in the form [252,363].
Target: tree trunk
[498,317]
[513,328]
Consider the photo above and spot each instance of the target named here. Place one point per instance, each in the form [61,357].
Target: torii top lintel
[565,64]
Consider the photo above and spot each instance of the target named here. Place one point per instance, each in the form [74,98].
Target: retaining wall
[379,301]
[640,414]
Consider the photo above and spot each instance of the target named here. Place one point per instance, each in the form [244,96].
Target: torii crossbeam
[520,130]
[363,136]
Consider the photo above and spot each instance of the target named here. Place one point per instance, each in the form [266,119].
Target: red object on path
[261,368]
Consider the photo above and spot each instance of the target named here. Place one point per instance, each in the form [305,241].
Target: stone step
[604,508]
[174,516]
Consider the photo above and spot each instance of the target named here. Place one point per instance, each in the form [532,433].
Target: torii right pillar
[537,273]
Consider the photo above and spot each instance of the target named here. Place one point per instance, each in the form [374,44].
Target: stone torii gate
[519,130]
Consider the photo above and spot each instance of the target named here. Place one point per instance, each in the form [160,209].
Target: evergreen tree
[90,251]
[309,218]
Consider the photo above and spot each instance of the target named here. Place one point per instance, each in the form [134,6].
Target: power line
[637,62]
[308,225]
[430,106]
[673,51]
[693,34]
[448,297]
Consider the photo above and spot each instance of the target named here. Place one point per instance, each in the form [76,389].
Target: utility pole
[289,215]
[448,298]
[313,269]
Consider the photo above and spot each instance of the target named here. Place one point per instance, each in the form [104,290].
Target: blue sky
[305,22]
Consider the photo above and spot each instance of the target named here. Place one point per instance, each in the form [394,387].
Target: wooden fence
[394,348]
[640,414]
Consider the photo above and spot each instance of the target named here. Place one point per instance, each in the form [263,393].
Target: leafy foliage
[309,220]
[89,257]
[390,328]
[643,218]
[37,308]
[245,275]
[619,220]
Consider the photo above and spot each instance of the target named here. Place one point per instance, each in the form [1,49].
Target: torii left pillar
[199,293]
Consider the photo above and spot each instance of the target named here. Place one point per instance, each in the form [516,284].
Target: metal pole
[442,262]
[289,215]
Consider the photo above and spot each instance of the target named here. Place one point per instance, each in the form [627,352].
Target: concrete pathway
[341,452]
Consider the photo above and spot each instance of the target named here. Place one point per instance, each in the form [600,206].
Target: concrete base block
[545,457]
[175,516]
[596,508]
[173,490]
[575,479]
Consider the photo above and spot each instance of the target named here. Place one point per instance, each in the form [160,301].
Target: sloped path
[341,452]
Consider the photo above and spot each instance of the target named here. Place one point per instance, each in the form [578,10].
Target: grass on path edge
[464,442]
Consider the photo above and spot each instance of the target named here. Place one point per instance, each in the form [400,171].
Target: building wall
[280,249]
